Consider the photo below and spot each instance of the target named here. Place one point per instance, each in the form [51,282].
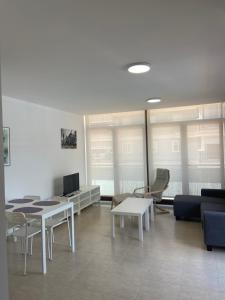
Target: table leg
[121,221]
[43,240]
[113,226]
[140,228]
[147,219]
[72,230]
[152,212]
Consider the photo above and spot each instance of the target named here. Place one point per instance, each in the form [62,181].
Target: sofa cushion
[210,206]
[212,200]
[215,193]
[213,227]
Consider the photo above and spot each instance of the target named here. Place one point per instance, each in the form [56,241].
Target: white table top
[46,211]
[132,206]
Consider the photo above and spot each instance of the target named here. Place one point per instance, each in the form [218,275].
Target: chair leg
[31,246]
[21,245]
[25,256]
[51,243]
[161,210]
[48,243]
[69,234]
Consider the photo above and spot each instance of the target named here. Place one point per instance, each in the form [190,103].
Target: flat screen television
[71,183]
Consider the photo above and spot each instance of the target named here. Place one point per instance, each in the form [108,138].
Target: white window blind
[130,158]
[100,159]
[186,113]
[115,148]
[203,156]
[165,145]
[189,141]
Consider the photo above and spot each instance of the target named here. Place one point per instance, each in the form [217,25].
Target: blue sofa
[209,208]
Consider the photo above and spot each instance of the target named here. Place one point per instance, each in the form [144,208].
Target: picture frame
[68,138]
[6,146]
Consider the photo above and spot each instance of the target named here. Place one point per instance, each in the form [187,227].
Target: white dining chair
[21,229]
[33,197]
[50,225]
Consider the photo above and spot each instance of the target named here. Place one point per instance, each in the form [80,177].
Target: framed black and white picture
[6,146]
[68,139]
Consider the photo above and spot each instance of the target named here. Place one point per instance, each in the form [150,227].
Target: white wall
[4,294]
[37,160]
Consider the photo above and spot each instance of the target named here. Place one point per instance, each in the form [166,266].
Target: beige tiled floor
[172,263]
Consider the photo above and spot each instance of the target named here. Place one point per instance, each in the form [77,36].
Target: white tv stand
[86,196]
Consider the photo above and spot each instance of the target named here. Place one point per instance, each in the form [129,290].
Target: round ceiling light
[153,100]
[139,68]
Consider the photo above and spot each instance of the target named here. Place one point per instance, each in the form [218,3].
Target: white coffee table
[134,207]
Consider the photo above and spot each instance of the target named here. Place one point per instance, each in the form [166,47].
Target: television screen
[71,183]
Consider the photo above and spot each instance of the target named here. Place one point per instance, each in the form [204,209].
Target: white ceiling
[71,54]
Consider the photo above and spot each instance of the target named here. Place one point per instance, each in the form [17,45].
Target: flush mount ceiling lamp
[153,100]
[139,68]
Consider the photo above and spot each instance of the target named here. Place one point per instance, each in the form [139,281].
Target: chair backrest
[33,197]
[161,182]
[15,219]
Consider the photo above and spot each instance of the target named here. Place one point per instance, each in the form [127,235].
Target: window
[189,141]
[115,147]
[203,156]
[175,146]
[100,157]
[164,145]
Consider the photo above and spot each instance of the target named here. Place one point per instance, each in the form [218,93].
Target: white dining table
[45,213]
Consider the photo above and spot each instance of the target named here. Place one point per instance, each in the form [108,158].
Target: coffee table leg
[121,221]
[140,228]
[147,220]
[113,226]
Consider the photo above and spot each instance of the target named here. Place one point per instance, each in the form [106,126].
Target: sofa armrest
[217,193]
[214,228]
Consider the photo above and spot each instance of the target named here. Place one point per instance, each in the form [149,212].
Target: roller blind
[189,141]
[115,151]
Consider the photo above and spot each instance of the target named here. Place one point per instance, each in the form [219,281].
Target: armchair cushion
[117,199]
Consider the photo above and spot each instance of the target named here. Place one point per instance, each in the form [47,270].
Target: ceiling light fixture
[153,100]
[139,68]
